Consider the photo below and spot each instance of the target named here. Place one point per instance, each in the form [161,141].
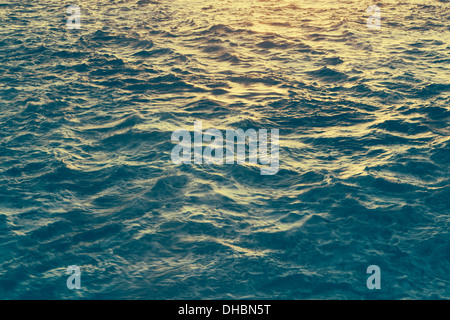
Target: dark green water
[86,177]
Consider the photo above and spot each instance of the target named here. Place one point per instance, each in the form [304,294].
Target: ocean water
[86,176]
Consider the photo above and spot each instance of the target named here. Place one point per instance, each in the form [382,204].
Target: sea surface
[86,176]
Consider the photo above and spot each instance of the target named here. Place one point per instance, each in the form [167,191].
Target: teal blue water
[86,177]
